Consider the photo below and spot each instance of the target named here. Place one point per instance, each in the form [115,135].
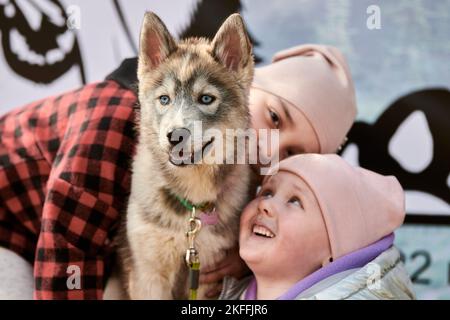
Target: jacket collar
[354,260]
[126,74]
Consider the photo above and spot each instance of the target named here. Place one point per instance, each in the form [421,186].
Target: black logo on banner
[372,141]
[41,51]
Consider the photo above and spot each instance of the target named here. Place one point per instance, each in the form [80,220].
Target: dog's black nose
[178,135]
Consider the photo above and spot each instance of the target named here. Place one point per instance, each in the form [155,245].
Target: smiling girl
[322,229]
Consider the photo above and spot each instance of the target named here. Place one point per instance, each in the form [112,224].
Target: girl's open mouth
[262,231]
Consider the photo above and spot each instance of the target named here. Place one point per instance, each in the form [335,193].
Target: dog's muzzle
[181,153]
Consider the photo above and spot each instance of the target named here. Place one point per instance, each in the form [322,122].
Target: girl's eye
[164,100]
[206,99]
[275,118]
[295,201]
[266,194]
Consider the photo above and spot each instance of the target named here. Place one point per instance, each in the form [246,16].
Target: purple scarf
[355,259]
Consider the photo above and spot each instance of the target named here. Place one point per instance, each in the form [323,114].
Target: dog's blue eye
[206,99]
[164,99]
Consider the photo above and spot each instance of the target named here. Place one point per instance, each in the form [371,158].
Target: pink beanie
[359,206]
[316,80]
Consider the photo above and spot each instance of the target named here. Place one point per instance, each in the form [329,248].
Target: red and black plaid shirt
[64,182]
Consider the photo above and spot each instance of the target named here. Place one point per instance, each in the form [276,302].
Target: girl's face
[283,230]
[296,135]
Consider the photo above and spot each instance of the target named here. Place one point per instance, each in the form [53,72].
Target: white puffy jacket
[385,277]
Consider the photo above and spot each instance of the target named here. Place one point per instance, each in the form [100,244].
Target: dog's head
[192,92]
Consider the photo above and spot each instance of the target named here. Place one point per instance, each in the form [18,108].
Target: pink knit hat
[359,206]
[316,80]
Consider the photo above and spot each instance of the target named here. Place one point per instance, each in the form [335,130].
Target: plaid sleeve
[70,253]
[86,192]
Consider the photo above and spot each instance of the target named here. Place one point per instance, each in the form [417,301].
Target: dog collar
[208,214]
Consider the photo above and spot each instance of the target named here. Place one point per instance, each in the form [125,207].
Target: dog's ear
[231,45]
[155,43]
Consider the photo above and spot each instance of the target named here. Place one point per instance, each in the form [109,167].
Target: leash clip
[194,226]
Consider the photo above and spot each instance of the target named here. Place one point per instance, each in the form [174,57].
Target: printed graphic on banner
[427,259]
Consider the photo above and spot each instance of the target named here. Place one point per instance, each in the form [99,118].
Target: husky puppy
[180,84]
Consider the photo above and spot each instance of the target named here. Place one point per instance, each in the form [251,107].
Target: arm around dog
[86,192]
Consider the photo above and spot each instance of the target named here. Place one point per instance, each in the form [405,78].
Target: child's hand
[231,265]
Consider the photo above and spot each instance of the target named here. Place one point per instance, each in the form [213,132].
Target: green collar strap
[204,206]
